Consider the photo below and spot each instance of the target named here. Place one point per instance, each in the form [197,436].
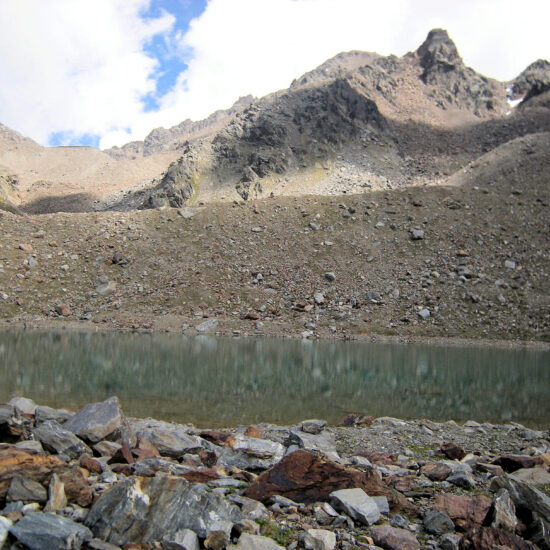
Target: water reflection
[221,382]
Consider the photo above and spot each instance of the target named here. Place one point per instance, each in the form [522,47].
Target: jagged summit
[438,53]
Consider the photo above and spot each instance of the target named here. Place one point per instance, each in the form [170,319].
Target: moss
[279,533]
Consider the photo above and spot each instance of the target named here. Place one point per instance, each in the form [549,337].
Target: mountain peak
[438,53]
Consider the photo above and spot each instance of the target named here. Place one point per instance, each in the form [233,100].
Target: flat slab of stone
[26,490]
[255,542]
[169,439]
[97,421]
[357,504]
[58,439]
[23,405]
[182,540]
[326,537]
[393,538]
[537,477]
[47,531]
[251,453]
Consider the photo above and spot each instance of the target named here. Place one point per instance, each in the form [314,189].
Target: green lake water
[224,381]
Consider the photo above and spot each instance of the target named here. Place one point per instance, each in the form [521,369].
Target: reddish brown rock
[63,309]
[355,419]
[252,431]
[391,538]
[91,464]
[224,439]
[77,488]
[436,471]
[486,538]
[466,512]
[122,455]
[124,469]
[208,458]
[376,458]
[512,463]
[304,476]
[203,475]
[452,451]
[144,449]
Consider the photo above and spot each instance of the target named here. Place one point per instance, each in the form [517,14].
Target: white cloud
[79,65]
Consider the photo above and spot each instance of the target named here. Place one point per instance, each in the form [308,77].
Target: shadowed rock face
[438,54]
[535,76]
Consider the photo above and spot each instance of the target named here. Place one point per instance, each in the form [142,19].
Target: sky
[106,72]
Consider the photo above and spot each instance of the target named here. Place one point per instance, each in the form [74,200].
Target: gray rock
[417,234]
[41,531]
[313,426]
[509,264]
[537,477]
[30,445]
[319,298]
[254,542]
[182,540]
[383,504]
[59,440]
[357,504]
[502,514]
[23,405]
[207,326]
[98,421]
[250,509]
[391,538]
[43,414]
[324,442]
[424,313]
[5,526]
[251,453]
[169,439]
[327,538]
[106,288]
[330,276]
[465,480]
[97,544]
[26,490]
[437,523]
[450,541]
[151,509]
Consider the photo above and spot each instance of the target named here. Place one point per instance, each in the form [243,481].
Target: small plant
[279,533]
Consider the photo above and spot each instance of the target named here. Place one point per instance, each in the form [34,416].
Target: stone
[250,509]
[330,276]
[26,490]
[43,414]
[57,499]
[511,463]
[465,512]
[106,289]
[436,471]
[23,405]
[185,539]
[64,310]
[356,504]
[313,426]
[30,445]
[355,419]
[307,477]
[45,531]
[59,440]
[392,538]
[98,421]
[452,451]
[91,464]
[327,538]
[449,541]
[97,544]
[437,523]
[319,298]
[251,453]
[486,538]
[5,526]
[465,480]
[254,542]
[417,234]
[382,504]
[148,510]
[207,326]
[169,439]
[509,264]
[502,514]
[220,537]
[77,489]
[424,313]
[537,477]
[324,442]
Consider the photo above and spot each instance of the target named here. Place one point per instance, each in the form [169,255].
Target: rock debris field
[98,480]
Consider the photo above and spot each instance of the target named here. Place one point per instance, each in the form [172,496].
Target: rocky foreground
[98,480]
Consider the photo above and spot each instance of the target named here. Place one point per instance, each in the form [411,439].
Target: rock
[324,442]
[251,453]
[355,419]
[465,480]
[25,247]
[219,538]
[207,326]
[511,463]
[357,504]
[148,510]
[436,471]
[44,531]
[91,464]
[250,509]
[452,451]
[98,421]
[96,544]
[450,541]
[23,405]
[466,512]
[106,289]
[383,505]
[392,538]
[30,445]
[417,234]
[59,440]
[319,298]
[486,538]
[330,276]
[327,538]
[26,490]
[5,526]
[509,264]
[181,540]
[304,476]
[57,500]
[313,426]
[424,313]
[169,439]
[437,523]
[43,414]
[254,542]
[502,514]
[77,488]
[63,309]
[538,477]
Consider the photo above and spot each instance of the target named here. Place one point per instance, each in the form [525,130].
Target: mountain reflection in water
[224,382]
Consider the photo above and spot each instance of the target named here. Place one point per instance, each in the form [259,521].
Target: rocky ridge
[98,480]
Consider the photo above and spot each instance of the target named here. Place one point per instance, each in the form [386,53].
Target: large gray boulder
[98,421]
[41,531]
[149,510]
[251,453]
[57,439]
[254,542]
[357,504]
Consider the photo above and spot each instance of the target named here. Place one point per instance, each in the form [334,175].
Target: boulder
[148,510]
[313,426]
[169,439]
[323,442]
[251,453]
[58,439]
[452,451]
[307,477]
[466,512]
[326,537]
[356,504]
[181,540]
[437,523]
[254,542]
[23,405]
[26,490]
[537,477]
[41,531]
[393,538]
[436,471]
[512,463]
[486,538]
[502,514]
[98,421]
